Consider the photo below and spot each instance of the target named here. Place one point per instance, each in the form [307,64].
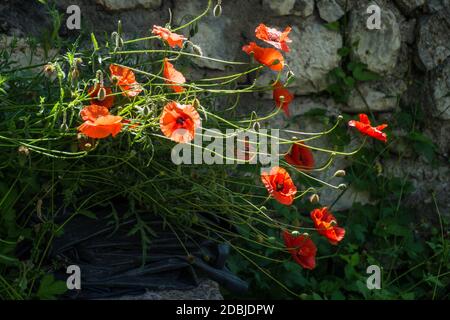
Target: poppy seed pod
[342,186]
[295,233]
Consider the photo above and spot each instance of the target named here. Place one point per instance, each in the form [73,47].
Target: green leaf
[50,288]
[344,51]
[339,73]
[94,42]
[349,81]
[360,73]
[88,214]
[335,26]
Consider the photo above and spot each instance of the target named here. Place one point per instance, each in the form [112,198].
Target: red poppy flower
[274,37]
[107,102]
[179,122]
[300,156]
[269,57]
[173,76]
[125,79]
[302,249]
[98,123]
[326,225]
[172,39]
[279,184]
[363,125]
[282,97]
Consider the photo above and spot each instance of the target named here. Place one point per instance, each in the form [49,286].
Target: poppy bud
[333,223]
[218,9]
[190,258]
[260,238]
[342,186]
[197,49]
[314,198]
[340,117]
[295,233]
[339,173]
[78,61]
[75,73]
[378,168]
[271,239]
[196,103]
[22,150]
[119,27]
[101,94]
[49,70]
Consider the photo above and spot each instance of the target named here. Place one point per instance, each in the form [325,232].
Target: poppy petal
[93,111]
[172,39]
[173,76]
[274,37]
[269,57]
[279,185]
[179,122]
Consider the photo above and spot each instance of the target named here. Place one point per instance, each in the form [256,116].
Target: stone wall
[411,52]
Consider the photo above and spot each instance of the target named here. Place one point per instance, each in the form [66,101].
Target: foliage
[411,247]
[50,173]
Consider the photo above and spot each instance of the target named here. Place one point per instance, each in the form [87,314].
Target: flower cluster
[179,122]
[278,182]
